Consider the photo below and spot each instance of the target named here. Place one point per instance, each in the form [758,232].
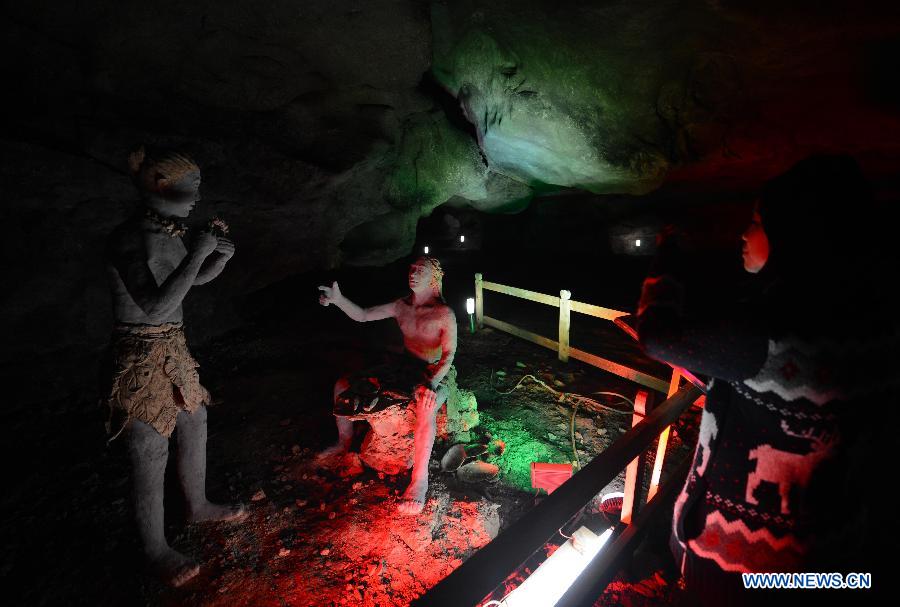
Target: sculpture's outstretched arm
[333,295]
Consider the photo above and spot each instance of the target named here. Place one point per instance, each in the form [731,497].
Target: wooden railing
[566,305]
[489,567]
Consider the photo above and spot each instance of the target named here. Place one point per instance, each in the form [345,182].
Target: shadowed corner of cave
[541,145]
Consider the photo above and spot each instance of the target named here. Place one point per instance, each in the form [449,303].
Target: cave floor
[313,537]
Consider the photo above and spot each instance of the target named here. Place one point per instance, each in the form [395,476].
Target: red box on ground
[549,476]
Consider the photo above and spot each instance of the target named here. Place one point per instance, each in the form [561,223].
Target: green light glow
[435,161]
[522,448]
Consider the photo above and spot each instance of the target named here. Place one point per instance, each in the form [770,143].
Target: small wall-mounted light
[462,238]
[426,250]
[470,308]
[637,242]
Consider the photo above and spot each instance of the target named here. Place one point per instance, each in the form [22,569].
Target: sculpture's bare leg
[426,427]
[344,426]
[149,451]
[191,454]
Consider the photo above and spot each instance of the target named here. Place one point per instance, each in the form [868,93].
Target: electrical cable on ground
[589,402]
[575,399]
[572,433]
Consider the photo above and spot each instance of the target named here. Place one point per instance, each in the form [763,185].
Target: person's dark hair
[812,215]
[821,265]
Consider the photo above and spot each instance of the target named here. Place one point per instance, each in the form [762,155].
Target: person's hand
[204,244]
[330,295]
[225,247]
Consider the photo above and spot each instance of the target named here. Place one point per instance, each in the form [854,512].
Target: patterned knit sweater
[785,436]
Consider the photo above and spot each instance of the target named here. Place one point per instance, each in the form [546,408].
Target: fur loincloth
[154,377]
[382,386]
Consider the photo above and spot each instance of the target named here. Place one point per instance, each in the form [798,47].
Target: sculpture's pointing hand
[330,294]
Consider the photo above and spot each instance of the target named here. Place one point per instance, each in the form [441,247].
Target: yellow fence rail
[566,306]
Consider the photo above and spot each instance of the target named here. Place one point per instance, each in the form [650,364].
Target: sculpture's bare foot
[224,513]
[413,500]
[175,568]
[332,453]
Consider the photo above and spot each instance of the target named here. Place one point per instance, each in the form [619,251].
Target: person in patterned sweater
[784,462]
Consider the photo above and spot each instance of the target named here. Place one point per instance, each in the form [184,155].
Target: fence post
[565,307]
[663,441]
[634,470]
[479,301]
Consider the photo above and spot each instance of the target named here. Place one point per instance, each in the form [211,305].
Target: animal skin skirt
[385,385]
[154,377]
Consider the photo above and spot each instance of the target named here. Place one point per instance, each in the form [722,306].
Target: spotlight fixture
[462,238]
[637,242]
[426,250]
[470,308]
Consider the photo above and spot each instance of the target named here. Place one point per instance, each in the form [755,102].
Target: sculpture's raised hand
[330,294]
[225,247]
[204,244]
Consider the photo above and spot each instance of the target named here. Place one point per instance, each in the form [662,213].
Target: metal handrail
[488,567]
[603,567]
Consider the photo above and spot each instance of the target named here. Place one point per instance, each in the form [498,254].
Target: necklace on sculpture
[170,226]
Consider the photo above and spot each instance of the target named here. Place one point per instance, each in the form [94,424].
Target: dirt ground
[313,537]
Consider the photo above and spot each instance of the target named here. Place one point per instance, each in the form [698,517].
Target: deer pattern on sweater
[745,536]
[786,469]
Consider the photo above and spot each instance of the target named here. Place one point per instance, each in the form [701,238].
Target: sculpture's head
[426,274]
[168,181]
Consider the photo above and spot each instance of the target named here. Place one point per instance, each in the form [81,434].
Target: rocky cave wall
[325,131]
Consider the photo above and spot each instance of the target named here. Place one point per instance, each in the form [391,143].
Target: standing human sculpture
[155,385]
[429,332]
